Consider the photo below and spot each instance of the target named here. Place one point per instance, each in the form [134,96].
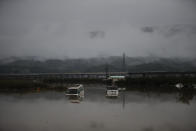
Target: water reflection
[185,96]
[75,99]
[132,110]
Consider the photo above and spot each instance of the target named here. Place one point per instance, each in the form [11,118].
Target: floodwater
[131,111]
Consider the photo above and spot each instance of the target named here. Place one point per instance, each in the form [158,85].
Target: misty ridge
[76,28]
[25,65]
[171,30]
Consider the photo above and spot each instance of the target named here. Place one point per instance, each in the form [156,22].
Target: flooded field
[130,111]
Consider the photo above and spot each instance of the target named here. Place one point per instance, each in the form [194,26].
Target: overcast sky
[89,28]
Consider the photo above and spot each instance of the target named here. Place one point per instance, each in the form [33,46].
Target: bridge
[96,75]
[160,74]
[99,75]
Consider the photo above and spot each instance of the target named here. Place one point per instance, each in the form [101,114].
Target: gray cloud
[97,34]
[148,29]
[75,28]
[171,30]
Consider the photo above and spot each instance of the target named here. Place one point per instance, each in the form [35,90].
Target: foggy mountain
[97,64]
[91,28]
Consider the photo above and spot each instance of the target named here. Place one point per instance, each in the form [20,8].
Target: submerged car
[112,91]
[76,91]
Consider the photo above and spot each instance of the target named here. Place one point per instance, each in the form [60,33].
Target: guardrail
[100,75]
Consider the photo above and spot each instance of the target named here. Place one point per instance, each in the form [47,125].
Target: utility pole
[124,63]
[106,71]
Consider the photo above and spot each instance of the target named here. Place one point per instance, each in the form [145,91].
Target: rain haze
[108,65]
[90,28]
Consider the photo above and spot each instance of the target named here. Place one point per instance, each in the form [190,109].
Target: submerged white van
[76,90]
[112,91]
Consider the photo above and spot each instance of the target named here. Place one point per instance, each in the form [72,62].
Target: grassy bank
[73,80]
[26,84]
[157,81]
[41,84]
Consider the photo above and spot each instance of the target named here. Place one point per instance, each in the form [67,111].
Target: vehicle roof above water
[117,77]
[111,88]
[76,86]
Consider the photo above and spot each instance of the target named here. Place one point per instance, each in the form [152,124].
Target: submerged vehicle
[75,99]
[76,91]
[112,91]
[121,88]
[194,86]
[179,85]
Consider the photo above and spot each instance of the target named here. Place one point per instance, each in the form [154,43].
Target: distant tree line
[115,64]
